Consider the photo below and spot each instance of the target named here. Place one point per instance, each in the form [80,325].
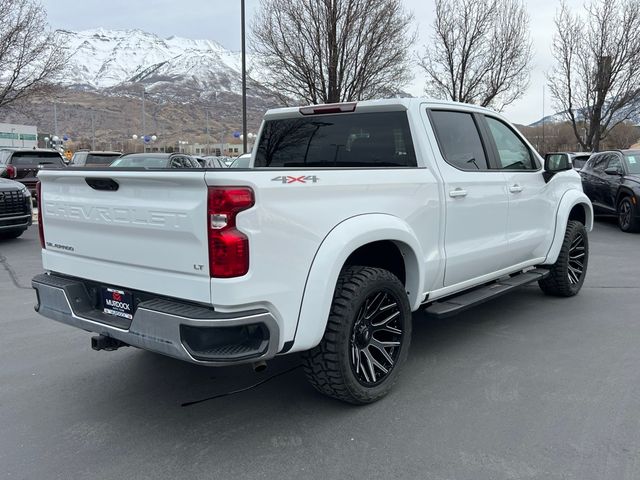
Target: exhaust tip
[260,366]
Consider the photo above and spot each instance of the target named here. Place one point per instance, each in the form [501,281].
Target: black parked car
[155,160]
[23,164]
[15,208]
[612,181]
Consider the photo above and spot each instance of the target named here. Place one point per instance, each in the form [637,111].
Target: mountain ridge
[190,87]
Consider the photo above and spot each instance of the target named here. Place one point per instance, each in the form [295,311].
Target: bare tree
[30,54]
[326,51]
[479,52]
[596,81]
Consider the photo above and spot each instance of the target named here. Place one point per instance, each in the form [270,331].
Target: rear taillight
[11,171]
[228,247]
[40,214]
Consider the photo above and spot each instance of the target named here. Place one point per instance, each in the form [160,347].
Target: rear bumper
[184,331]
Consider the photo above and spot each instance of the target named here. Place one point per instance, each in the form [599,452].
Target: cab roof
[383,105]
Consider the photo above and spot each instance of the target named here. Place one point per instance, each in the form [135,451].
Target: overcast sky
[219,20]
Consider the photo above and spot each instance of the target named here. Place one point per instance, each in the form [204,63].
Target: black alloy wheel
[627,219]
[376,338]
[576,262]
[366,340]
[567,275]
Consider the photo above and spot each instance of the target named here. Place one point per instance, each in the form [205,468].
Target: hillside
[185,81]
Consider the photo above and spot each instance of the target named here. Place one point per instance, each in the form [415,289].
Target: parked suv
[611,180]
[23,164]
[15,208]
[85,158]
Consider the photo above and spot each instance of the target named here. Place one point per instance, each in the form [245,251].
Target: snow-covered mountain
[192,90]
[103,59]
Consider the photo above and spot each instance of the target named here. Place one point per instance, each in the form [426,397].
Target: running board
[461,302]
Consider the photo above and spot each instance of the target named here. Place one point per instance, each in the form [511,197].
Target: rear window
[101,158]
[28,159]
[379,139]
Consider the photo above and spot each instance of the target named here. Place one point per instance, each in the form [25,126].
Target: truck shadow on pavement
[168,384]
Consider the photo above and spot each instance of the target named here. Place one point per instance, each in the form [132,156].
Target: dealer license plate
[117,302]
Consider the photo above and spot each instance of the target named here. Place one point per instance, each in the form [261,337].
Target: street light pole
[55,118]
[244,81]
[208,137]
[93,130]
[144,120]
[544,152]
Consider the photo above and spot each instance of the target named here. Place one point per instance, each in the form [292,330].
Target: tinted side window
[459,140]
[614,161]
[380,139]
[513,153]
[179,162]
[598,162]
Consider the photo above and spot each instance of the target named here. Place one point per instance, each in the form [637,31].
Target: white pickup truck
[351,217]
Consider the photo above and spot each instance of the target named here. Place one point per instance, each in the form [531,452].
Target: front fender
[569,200]
[331,256]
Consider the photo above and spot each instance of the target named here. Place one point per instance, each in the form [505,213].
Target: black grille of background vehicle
[13,203]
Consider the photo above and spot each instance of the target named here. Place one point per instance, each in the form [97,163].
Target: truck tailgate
[150,234]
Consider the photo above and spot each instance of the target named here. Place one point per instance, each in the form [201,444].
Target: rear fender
[569,200]
[335,249]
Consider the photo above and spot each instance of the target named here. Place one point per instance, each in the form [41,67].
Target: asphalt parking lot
[523,387]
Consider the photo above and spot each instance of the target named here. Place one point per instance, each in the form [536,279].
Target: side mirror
[554,163]
[557,162]
[613,171]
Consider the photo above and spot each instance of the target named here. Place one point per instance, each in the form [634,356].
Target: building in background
[232,149]
[12,135]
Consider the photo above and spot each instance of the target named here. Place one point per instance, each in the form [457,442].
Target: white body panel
[148,235]
[151,234]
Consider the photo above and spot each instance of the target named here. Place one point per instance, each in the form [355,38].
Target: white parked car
[353,216]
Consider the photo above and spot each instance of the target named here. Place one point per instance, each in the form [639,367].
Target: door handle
[458,192]
[515,188]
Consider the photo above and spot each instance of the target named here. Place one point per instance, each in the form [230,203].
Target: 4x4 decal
[301,179]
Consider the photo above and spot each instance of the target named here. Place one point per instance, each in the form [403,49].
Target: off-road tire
[329,366]
[627,215]
[560,283]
